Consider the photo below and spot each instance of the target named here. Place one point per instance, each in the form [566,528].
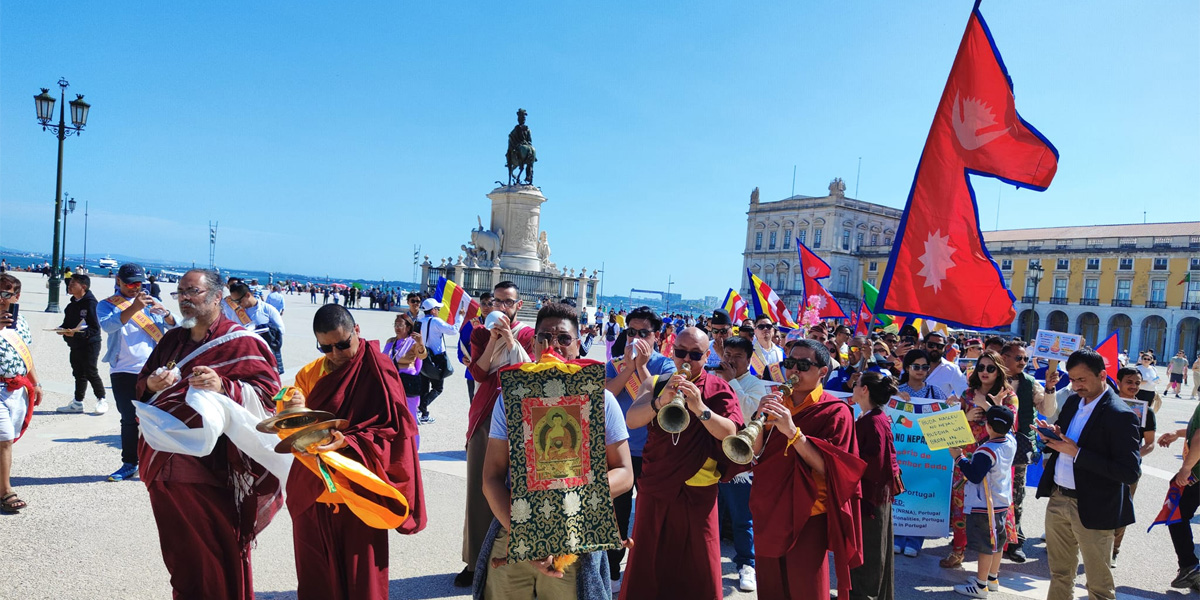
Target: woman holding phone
[988,386]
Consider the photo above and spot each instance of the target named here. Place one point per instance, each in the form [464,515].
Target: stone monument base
[516,216]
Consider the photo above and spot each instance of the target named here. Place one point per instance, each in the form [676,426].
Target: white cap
[430,304]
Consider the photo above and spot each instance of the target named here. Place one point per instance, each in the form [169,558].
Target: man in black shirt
[81,330]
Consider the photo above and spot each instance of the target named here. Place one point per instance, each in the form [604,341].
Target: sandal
[955,559]
[10,504]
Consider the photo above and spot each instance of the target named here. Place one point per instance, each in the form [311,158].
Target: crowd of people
[826,450]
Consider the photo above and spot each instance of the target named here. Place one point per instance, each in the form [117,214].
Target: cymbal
[317,433]
[293,418]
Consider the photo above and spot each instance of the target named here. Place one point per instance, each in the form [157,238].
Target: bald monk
[805,499]
[677,549]
[338,557]
[206,519]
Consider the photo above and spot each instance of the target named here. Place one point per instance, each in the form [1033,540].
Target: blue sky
[333,138]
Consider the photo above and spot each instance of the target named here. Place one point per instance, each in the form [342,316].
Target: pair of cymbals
[303,427]
[294,417]
[316,434]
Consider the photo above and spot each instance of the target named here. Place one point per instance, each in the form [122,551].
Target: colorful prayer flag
[812,268]
[455,302]
[736,307]
[939,266]
[766,302]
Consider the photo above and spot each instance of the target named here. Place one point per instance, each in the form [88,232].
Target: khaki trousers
[522,580]
[1066,538]
[479,513]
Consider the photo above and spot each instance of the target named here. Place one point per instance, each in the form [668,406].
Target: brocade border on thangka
[557,463]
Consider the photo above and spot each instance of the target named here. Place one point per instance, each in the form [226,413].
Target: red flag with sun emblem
[939,267]
[814,268]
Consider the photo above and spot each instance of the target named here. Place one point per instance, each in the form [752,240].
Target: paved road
[86,538]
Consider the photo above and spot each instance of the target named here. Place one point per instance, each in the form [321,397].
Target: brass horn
[673,417]
[739,447]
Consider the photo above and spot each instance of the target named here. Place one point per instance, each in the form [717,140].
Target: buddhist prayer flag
[769,304]
[736,307]
[456,303]
[939,266]
[812,268]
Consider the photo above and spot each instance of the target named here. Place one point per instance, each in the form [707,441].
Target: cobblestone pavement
[85,538]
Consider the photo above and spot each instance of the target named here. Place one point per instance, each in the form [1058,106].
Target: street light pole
[44,103]
[669,284]
[85,223]
[68,208]
[1037,278]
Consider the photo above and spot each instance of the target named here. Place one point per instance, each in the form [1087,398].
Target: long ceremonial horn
[673,417]
[739,447]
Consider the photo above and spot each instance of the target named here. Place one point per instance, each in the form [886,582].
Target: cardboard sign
[1055,345]
[946,429]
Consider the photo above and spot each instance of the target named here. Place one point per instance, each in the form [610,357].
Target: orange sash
[238,310]
[140,317]
[12,337]
[632,385]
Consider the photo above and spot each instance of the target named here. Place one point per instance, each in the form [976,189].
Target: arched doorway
[1057,321]
[1121,323]
[1154,336]
[1088,325]
[1024,327]
[1189,337]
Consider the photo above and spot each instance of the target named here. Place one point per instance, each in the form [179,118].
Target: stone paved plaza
[85,538]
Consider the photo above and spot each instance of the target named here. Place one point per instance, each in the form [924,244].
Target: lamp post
[67,209]
[670,282]
[1036,276]
[45,115]
[85,220]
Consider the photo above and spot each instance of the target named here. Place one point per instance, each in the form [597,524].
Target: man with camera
[242,307]
[134,322]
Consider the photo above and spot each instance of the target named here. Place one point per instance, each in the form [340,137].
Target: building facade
[1093,280]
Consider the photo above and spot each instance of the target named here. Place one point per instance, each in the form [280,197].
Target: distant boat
[108,263]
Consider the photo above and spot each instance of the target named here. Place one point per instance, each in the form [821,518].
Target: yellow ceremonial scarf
[140,317]
[12,337]
[238,310]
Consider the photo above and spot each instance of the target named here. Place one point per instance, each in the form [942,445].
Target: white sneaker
[101,406]
[896,549]
[971,589]
[747,581]
[74,407]
[993,585]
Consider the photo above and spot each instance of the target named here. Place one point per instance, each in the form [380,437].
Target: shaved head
[694,335]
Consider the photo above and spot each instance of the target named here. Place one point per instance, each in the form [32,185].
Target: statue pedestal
[517,212]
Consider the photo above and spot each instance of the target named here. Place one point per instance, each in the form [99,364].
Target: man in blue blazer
[1087,475]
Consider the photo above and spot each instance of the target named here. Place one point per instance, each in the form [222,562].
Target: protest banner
[1055,345]
[924,507]
[947,429]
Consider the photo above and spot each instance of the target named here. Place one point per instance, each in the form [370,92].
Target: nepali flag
[1170,510]
[863,319]
[766,302]
[1109,350]
[736,307]
[812,268]
[939,266]
[457,305]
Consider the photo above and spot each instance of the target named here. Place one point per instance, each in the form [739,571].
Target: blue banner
[924,508]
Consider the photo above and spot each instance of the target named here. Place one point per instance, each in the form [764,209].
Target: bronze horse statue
[521,155]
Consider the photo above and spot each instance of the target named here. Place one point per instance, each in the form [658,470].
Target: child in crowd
[988,495]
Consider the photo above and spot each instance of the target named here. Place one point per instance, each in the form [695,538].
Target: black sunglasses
[800,364]
[919,367]
[934,345]
[692,354]
[563,339]
[1023,359]
[7,295]
[342,345]
[720,331]
[986,368]
[639,333]
[764,326]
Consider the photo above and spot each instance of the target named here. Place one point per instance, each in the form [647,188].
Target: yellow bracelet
[795,437]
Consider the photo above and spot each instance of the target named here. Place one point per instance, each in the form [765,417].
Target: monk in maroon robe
[805,499]
[209,508]
[490,350]
[677,547]
[338,557]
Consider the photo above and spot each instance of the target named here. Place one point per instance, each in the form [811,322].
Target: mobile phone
[14,310]
[711,367]
[1049,433]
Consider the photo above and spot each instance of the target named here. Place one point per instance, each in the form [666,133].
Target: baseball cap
[1000,418]
[131,273]
[720,317]
[430,304]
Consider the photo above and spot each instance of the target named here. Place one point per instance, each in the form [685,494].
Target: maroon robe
[677,546]
[873,432]
[205,524]
[338,557]
[487,385]
[790,544]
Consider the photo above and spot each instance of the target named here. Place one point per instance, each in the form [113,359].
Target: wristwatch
[706,415]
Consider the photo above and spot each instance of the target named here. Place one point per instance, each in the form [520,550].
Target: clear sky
[333,137]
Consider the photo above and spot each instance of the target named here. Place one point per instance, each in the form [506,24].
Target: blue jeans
[736,498]
[909,541]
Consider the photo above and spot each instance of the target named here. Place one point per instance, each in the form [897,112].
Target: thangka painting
[560,495]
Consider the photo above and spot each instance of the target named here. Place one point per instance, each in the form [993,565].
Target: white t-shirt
[615,430]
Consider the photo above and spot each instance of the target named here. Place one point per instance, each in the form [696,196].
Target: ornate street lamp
[1036,276]
[44,103]
[69,208]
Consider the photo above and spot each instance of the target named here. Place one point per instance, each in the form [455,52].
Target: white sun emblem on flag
[936,260]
